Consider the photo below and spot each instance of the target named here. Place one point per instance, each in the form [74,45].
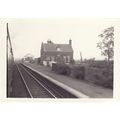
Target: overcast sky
[28,34]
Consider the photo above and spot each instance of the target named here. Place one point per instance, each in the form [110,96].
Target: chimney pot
[70,42]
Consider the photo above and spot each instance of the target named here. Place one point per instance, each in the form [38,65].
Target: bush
[61,68]
[72,62]
[108,75]
[102,77]
[78,72]
[101,64]
[92,74]
[103,81]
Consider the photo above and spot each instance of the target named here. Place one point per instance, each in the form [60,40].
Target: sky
[28,34]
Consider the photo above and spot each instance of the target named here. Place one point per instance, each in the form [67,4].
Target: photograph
[60,58]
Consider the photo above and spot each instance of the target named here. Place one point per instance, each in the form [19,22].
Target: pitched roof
[28,55]
[51,47]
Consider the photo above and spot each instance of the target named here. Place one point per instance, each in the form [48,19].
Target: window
[48,58]
[52,58]
[58,49]
[64,58]
[68,59]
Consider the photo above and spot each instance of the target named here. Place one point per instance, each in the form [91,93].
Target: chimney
[49,41]
[70,42]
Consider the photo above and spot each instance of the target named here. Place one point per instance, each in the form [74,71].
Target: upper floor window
[58,49]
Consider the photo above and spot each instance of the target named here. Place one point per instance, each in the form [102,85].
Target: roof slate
[51,47]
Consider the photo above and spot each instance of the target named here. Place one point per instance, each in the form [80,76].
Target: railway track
[39,87]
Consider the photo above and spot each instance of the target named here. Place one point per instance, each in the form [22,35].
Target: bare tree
[106,45]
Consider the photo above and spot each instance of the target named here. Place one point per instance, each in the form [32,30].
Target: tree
[106,45]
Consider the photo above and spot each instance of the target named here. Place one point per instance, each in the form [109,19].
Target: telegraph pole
[9,41]
[10,62]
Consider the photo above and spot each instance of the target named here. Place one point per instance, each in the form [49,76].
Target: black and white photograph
[59,67]
[60,58]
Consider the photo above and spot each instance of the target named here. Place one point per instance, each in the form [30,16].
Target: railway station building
[51,52]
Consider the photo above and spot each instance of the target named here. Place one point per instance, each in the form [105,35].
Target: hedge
[61,68]
[102,77]
[78,72]
[74,71]
[95,75]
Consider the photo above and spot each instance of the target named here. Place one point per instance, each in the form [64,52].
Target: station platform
[87,89]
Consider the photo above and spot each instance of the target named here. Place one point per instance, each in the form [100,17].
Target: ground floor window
[68,59]
[48,58]
[65,59]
